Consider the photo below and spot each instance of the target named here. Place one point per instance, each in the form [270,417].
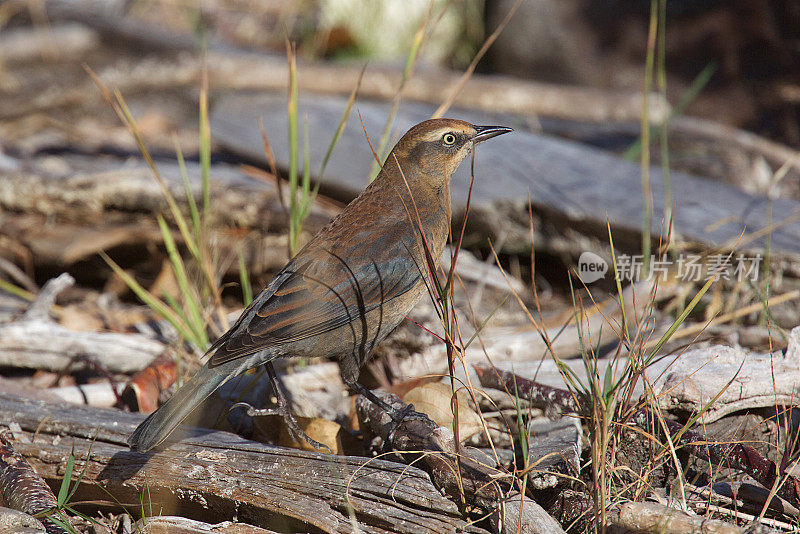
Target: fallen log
[217,476]
[571,186]
[82,196]
[653,517]
[182,525]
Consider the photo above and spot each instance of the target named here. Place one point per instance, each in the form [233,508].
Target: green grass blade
[293,151]
[187,187]
[483,324]
[61,522]
[196,321]
[306,166]
[309,195]
[17,291]
[679,321]
[587,370]
[522,432]
[85,517]
[625,332]
[178,309]
[244,278]
[63,490]
[205,145]
[634,152]
[661,71]
[149,299]
[647,196]
[83,471]
[698,84]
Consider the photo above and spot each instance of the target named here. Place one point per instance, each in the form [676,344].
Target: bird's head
[436,147]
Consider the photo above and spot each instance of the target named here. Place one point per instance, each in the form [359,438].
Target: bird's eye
[449,139]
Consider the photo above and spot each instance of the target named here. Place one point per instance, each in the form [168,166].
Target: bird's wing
[310,298]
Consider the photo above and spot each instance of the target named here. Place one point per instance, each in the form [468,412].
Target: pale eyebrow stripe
[435,135]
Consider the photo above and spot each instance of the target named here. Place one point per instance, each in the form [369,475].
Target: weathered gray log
[16,522]
[734,379]
[570,184]
[183,525]
[236,198]
[698,146]
[216,476]
[519,515]
[653,517]
[126,199]
[47,345]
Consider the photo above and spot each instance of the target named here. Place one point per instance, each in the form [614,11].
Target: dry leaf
[145,387]
[321,430]
[434,400]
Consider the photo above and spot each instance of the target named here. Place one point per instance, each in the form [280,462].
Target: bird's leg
[396,415]
[283,409]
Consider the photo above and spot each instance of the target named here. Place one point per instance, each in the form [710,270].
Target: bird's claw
[252,411]
[288,418]
[398,415]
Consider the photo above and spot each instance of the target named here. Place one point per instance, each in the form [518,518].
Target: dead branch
[657,518]
[37,342]
[216,476]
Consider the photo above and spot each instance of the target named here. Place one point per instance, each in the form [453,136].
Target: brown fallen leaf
[146,386]
[434,400]
[321,430]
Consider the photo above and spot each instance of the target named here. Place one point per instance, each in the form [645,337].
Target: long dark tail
[163,421]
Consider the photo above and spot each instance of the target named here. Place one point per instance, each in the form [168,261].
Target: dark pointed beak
[487,132]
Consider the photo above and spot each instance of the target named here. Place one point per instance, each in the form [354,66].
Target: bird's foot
[288,418]
[400,415]
[252,411]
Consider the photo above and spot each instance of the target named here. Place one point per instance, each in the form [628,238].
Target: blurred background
[676,112]
[659,113]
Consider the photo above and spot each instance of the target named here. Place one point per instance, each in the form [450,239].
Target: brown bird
[352,284]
